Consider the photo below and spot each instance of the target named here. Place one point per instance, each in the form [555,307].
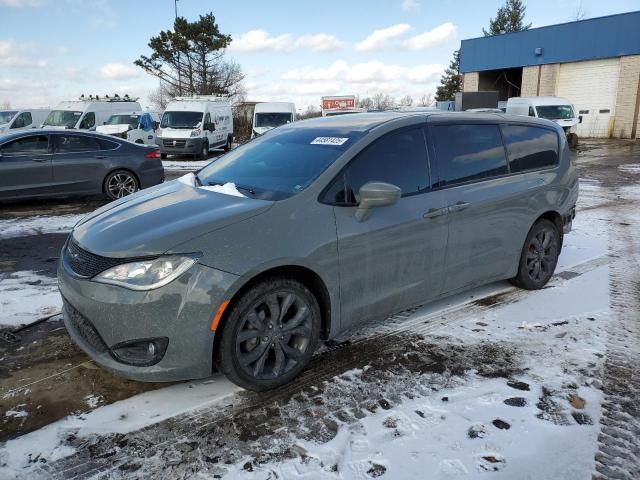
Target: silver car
[309,230]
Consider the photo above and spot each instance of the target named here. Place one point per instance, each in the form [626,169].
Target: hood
[262,130]
[177,132]
[113,129]
[153,221]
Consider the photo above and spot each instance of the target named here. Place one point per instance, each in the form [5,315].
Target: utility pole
[175,6]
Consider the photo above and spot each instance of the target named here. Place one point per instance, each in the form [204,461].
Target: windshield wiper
[198,181]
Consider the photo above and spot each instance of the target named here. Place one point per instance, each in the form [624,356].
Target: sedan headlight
[148,274]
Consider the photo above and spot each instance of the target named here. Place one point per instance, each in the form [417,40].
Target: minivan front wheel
[204,153]
[270,334]
[539,256]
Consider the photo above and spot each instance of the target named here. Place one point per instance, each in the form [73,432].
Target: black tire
[256,349]
[229,143]
[572,140]
[163,156]
[204,152]
[120,183]
[539,256]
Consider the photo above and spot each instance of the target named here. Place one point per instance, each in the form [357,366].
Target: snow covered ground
[492,383]
[27,296]
[22,227]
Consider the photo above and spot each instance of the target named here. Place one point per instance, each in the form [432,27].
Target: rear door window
[467,153]
[75,144]
[31,145]
[530,148]
[398,158]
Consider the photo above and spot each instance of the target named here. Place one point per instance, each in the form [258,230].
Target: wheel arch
[554,217]
[304,275]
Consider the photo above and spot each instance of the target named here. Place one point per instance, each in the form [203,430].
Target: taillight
[154,154]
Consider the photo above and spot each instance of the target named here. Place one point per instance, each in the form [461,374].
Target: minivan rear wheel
[539,256]
[270,334]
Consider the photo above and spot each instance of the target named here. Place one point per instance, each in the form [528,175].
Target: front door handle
[39,160]
[436,212]
[458,207]
[100,157]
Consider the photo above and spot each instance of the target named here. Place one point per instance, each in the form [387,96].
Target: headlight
[196,132]
[148,274]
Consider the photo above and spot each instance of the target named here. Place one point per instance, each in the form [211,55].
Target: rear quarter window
[467,153]
[530,148]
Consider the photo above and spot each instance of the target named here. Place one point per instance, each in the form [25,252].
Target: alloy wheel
[121,184]
[542,254]
[274,334]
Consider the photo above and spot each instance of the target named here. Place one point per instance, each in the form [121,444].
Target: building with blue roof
[594,63]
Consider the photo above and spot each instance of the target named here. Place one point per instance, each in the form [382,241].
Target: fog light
[140,353]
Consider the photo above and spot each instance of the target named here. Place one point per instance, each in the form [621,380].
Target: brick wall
[548,78]
[470,82]
[529,81]
[626,97]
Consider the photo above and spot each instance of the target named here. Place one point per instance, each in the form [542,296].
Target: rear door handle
[458,207]
[101,157]
[436,212]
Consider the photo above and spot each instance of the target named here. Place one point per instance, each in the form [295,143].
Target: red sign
[338,103]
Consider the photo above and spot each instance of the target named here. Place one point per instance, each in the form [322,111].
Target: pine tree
[509,18]
[451,81]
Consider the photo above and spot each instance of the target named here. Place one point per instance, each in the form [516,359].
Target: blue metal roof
[602,37]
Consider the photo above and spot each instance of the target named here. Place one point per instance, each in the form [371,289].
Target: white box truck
[137,127]
[19,119]
[195,126]
[88,112]
[269,115]
[560,110]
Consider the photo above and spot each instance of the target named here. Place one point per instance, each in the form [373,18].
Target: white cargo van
[88,112]
[21,119]
[195,126]
[269,115]
[560,110]
[137,127]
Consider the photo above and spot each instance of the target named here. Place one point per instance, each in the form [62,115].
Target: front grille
[83,327]
[167,142]
[87,264]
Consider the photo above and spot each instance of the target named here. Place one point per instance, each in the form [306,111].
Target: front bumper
[100,316]
[180,146]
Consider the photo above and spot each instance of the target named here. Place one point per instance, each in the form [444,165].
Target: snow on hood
[228,188]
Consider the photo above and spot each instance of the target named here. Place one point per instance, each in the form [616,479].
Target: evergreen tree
[451,81]
[510,18]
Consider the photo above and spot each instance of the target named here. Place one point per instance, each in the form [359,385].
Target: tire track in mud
[394,364]
[618,454]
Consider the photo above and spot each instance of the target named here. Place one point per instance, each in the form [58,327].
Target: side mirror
[376,194]
[155,125]
[580,119]
[212,127]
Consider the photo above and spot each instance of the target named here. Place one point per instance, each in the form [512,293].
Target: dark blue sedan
[49,163]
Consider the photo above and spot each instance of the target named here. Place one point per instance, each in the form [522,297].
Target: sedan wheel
[270,335]
[120,184]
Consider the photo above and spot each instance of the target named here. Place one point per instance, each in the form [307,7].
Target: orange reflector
[216,319]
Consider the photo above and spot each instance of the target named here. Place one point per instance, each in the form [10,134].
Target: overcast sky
[53,50]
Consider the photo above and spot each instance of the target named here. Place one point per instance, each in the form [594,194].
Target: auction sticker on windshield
[329,141]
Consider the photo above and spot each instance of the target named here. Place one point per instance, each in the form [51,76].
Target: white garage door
[592,87]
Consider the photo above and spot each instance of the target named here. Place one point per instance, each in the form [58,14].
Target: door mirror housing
[376,194]
[211,127]
[155,125]
[580,119]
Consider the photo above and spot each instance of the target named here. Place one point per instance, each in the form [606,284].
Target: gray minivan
[309,230]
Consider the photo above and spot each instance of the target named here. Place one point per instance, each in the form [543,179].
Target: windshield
[272,120]
[181,119]
[555,112]
[131,120]
[280,164]
[62,118]
[6,116]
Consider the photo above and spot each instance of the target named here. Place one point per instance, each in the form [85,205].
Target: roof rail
[107,98]
[204,98]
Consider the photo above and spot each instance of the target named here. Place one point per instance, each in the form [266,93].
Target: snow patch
[24,227]
[227,189]
[27,296]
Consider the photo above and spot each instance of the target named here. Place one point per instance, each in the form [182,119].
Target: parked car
[88,112]
[269,115]
[556,109]
[137,127]
[12,121]
[195,126]
[310,230]
[49,163]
